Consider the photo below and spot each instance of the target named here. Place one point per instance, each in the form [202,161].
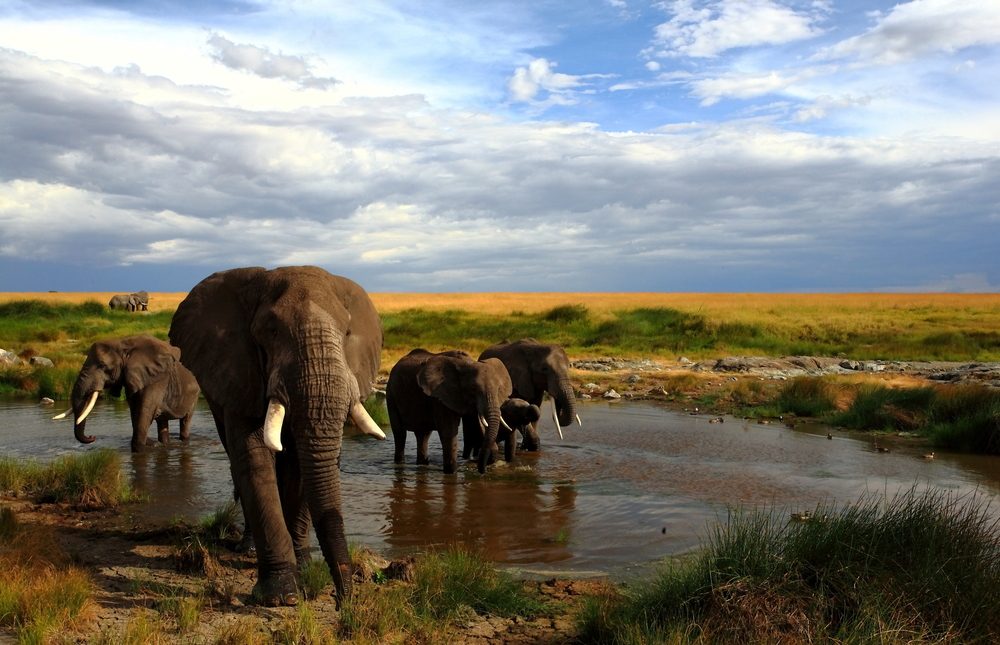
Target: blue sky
[609,145]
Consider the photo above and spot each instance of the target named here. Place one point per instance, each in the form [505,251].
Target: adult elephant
[157,386]
[141,300]
[284,356]
[536,368]
[122,301]
[428,392]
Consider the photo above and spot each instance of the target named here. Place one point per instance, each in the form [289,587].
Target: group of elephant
[137,301]
[284,357]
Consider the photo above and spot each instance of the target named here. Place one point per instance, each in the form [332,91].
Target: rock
[684,360]
[47,401]
[585,396]
[9,358]
[41,361]
[633,379]
[850,365]
[611,394]
[591,386]
[400,570]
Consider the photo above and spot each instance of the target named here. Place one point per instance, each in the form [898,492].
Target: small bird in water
[829,436]
[880,448]
[801,517]
[929,455]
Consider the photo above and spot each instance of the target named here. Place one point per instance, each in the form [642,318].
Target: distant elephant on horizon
[156,386]
[122,301]
[428,392]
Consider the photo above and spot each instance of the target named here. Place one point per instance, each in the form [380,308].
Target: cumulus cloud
[538,77]
[262,62]
[700,29]
[401,196]
[913,29]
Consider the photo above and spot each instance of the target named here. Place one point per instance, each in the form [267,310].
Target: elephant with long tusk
[535,369]
[285,357]
[157,386]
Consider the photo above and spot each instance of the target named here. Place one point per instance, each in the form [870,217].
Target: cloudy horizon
[616,145]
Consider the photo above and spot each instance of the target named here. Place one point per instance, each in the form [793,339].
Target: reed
[919,565]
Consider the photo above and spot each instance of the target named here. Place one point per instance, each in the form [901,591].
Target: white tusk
[63,415]
[578,422]
[365,422]
[482,423]
[556,419]
[90,406]
[272,425]
[509,429]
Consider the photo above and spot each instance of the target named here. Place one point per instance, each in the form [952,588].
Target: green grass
[921,566]
[448,585]
[91,480]
[956,417]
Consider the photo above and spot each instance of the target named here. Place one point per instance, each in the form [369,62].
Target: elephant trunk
[490,432]
[323,392]
[564,399]
[83,398]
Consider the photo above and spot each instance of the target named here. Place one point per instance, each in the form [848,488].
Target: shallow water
[632,485]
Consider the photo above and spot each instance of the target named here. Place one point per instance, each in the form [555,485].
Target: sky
[543,145]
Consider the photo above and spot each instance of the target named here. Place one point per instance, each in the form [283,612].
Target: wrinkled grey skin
[428,392]
[122,301]
[157,386]
[312,341]
[536,368]
[520,416]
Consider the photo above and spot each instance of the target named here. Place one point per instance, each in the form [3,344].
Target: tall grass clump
[447,585]
[876,407]
[808,396]
[91,480]
[966,418]
[917,566]
[41,594]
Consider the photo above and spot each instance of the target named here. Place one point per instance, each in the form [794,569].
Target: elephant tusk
[90,406]
[578,422]
[365,422]
[272,425]
[509,429]
[555,418]
[482,423]
[62,415]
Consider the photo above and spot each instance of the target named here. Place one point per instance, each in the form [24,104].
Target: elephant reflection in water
[513,518]
[167,482]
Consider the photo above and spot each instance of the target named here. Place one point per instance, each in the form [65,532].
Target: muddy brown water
[634,484]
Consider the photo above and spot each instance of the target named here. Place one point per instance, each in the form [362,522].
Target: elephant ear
[517,360]
[212,329]
[146,361]
[441,378]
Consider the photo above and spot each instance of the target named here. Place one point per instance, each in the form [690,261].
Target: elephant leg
[185,433]
[423,439]
[510,447]
[253,469]
[532,442]
[446,423]
[142,416]
[162,430]
[398,432]
[293,506]
[472,437]
[246,543]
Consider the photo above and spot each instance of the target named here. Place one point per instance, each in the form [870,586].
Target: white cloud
[921,27]
[537,76]
[740,86]
[701,29]
[264,63]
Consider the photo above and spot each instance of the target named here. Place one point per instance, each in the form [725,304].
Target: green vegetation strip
[90,481]
[921,566]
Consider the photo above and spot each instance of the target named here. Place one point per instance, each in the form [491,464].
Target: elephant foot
[276,591]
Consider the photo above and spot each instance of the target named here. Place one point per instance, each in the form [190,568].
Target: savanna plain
[917,567]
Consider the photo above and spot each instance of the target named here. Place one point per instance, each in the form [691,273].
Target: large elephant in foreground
[284,357]
[536,368]
[157,386]
[428,392]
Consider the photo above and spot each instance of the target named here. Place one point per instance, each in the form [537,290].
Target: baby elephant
[517,415]
[156,386]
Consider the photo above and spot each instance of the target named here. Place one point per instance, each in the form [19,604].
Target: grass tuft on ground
[89,481]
